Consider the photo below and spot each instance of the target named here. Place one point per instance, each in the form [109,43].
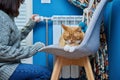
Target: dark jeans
[31,72]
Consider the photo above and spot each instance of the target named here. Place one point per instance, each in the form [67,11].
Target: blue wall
[112,21]
[56,7]
[62,7]
[114,56]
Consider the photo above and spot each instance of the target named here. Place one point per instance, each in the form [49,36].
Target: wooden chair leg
[57,69]
[88,69]
[60,62]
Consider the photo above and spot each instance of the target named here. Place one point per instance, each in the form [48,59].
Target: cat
[71,37]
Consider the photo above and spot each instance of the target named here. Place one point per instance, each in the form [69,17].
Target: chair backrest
[90,4]
[91,41]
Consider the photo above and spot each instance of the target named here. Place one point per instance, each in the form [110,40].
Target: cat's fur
[71,37]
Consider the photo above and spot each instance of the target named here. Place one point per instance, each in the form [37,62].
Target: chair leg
[60,62]
[88,69]
[57,69]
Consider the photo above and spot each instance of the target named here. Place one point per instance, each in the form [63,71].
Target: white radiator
[68,71]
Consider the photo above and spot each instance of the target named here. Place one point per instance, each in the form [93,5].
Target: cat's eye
[78,38]
[66,37]
[80,31]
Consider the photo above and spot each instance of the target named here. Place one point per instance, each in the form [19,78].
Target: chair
[88,46]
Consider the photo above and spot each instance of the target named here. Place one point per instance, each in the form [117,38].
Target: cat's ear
[78,29]
[64,27]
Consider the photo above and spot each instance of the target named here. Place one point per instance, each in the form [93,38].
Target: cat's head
[72,35]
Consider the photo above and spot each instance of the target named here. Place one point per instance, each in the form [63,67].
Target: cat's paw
[72,49]
[66,47]
[69,48]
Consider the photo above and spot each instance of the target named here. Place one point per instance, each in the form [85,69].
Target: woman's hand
[36,18]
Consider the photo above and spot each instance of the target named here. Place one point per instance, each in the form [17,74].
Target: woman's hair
[11,7]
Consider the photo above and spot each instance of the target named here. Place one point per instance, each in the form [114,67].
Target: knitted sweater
[10,50]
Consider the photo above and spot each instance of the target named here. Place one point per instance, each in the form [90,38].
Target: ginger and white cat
[71,38]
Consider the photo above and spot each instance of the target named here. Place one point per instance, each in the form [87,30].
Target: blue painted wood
[56,7]
[113,36]
[114,56]
[107,22]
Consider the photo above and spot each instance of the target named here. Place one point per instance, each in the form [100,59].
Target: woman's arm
[29,26]
[9,53]
[31,23]
[12,53]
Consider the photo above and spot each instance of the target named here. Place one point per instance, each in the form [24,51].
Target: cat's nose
[71,41]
